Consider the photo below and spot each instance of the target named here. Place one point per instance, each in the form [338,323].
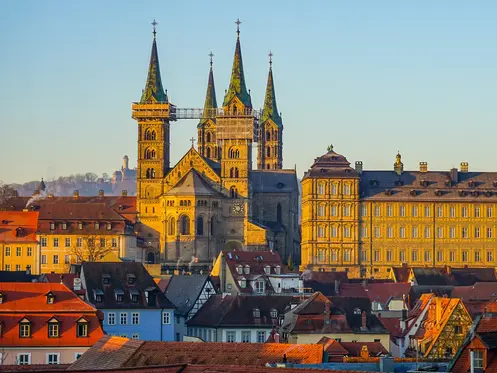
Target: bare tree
[91,248]
[6,193]
[91,177]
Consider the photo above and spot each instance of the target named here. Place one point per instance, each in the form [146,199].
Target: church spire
[210,96]
[270,111]
[153,88]
[237,86]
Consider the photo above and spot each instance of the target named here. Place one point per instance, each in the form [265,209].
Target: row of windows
[79,225]
[334,189]
[335,254]
[123,318]
[80,242]
[25,328]
[200,203]
[334,210]
[29,251]
[477,211]
[346,231]
[426,232]
[53,358]
[426,256]
[55,259]
[184,226]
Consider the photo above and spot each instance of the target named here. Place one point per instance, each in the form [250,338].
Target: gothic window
[268,151]
[234,173]
[208,152]
[150,154]
[268,166]
[148,173]
[208,137]
[200,226]
[147,135]
[234,153]
[152,173]
[233,192]
[171,228]
[278,213]
[152,135]
[268,136]
[185,225]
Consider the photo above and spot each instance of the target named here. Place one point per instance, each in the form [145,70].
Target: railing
[170,111]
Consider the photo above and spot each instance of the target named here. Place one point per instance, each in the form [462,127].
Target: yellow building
[365,222]
[212,199]
[19,247]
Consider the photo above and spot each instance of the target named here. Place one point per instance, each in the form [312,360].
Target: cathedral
[212,198]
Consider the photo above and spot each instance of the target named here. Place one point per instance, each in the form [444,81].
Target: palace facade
[212,199]
[366,222]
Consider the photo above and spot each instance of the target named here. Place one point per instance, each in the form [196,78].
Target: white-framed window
[43,242]
[414,232]
[246,336]
[477,212]
[135,336]
[389,255]
[464,212]
[452,212]
[321,231]
[321,210]
[389,210]
[123,318]
[427,256]
[364,256]
[111,318]
[230,336]
[321,188]
[402,256]
[166,318]
[18,251]
[346,210]
[135,318]
[414,210]
[402,210]
[55,242]
[346,189]
[79,241]
[53,330]
[427,211]
[440,256]
[334,232]
[30,251]
[321,255]
[114,242]
[7,267]
[67,259]
[259,287]
[333,210]
[261,337]
[490,256]
[364,211]
[7,251]
[346,231]
[18,267]
[377,232]
[478,359]
[427,232]
[452,256]
[123,335]
[334,255]
[414,255]
[333,188]
[364,232]
[402,232]
[389,232]
[452,232]
[53,358]
[440,232]
[77,355]
[489,232]
[67,242]
[477,256]
[440,211]
[464,256]
[464,232]
[377,211]
[376,255]
[24,359]
[477,232]
[489,212]
[346,255]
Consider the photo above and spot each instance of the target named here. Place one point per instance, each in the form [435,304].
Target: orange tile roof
[10,221]
[28,300]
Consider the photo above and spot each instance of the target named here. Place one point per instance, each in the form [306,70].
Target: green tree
[290,264]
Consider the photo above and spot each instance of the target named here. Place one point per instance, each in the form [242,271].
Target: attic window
[399,182]
[424,183]
[462,193]
[413,192]
[474,193]
[134,295]
[50,298]
[64,225]
[388,192]
[53,328]
[277,270]
[488,193]
[280,185]
[80,225]
[97,225]
[82,328]
[24,328]
[106,279]
[471,183]
[239,269]
[374,182]
[52,225]
[322,170]
[247,269]
[357,311]
[257,313]
[119,295]
[438,192]
[267,270]
[109,226]
[243,282]
[131,279]
[99,295]
[448,182]
[274,313]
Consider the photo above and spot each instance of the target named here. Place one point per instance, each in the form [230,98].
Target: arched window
[150,154]
[171,228]
[208,152]
[234,173]
[278,213]
[234,153]
[208,137]
[152,135]
[152,173]
[185,225]
[148,173]
[233,192]
[268,136]
[200,226]
[147,135]
[268,151]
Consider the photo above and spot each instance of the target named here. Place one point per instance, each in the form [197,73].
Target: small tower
[125,162]
[207,139]
[41,187]
[398,166]
[270,149]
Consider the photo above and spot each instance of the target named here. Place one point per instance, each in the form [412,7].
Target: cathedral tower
[235,130]
[207,139]
[153,116]
[270,149]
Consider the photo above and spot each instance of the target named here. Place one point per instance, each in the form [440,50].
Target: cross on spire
[270,58]
[154,24]
[193,141]
[211,55]
[238,22]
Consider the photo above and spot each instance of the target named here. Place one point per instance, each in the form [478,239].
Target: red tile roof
[28,300]
[354,348]
[18,226]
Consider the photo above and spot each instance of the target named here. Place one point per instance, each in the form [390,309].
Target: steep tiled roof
[193,184]
[331,164]
[183,291]
[479,292]
[274,181]
[238,310]
[324,282]
[118,274]
[18,226]
[383,292]
[29,300]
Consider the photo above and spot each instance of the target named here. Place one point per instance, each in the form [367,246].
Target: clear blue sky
[370,77]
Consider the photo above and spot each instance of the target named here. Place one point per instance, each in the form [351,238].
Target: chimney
[358,167]
[464,167]
[124,192]
[365,284]
[454,177]
[28,269]
[337,287]
[403,320]
[101,193]
[61,279]
[125,162]
[276,337]
[364,325]
[423,166]
[75,194]
[50,195]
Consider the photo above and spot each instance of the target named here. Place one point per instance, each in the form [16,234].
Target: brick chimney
[454,176]
[75,194]
[464,167]
[124,193]
[358,167]
[364,325]
[423,166]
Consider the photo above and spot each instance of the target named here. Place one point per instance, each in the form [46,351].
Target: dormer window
[119,295]
[53,328]
[106,279]
[2,298]
[239,269]
[64,225]
[24,328]
[259,286]
[247,269]
[109,226]
[99,295]
[267,270]
[478,359]
[357,311]
[134,295]
[52,225]
[257,313]
[80,225]
[50,298]
[243,282]
[274,313]
[82,328]
[97,225]
[131,279]
[277,270]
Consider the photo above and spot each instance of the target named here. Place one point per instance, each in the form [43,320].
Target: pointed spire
[153,88]
[237,82]
[270,110]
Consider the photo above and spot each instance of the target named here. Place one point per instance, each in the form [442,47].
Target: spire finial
[270,59]
[238,27]
[193,141]
[154,24]
[211,55]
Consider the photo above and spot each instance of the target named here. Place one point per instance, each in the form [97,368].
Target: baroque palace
[366,222]
[212,199]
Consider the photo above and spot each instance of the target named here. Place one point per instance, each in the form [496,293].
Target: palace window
[364,211]
[321,189]
[321,210]
[389,255]
[333,188]
[377,232]
[414,210]
[452,232]
[333,210]
[321,255]
[489,232]
[402,211]
[346,231]
[477,232]
[402,232]
[402,256]
[334,231]
[464,212]
[440,256]
[346,211]
[377,211]
[452,256]
[464,232]
[389,210]
[490,256]
[376,255]
[477,256]
[414,232]
[334,255]
[427,232]
[346,255]
[464,256]
[427,211]
[477,212]
[439,232]
[489,212]
[427,256]
[363,232]
[185,225]
[414,255]
[321,231]
[440,211]
[364,256]
[389,232]
[346,189]
[452,212]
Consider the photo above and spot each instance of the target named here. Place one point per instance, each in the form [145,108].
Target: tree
[91,248]
[6,193]
[105,177]
[290,263]
[91,177]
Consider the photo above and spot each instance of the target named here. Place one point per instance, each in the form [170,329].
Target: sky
[370,77]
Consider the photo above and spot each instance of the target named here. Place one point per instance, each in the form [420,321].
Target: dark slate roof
[330,165]
[193,184]
[431,185]
[490,339]
[16,276]
[216,166]
[323,282]
[94,273]
[238,310]
[183,291]
[274,181]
